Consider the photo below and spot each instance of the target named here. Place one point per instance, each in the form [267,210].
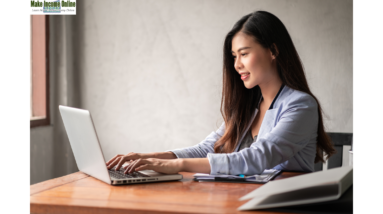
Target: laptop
[88,153]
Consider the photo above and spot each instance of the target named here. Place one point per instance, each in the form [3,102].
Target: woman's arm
[200,165]
[159,155]
[198,151]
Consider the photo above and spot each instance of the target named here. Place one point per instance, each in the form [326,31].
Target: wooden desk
[80,193]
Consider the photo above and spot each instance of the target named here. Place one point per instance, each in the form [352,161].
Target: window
[39,71]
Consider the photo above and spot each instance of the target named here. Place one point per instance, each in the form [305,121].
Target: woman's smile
[245,76]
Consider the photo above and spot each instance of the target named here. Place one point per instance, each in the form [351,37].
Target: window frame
[43,121]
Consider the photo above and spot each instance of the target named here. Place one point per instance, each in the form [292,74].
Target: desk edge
[50,184]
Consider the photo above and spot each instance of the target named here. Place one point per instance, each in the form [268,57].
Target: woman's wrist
[167,155]
[159,155]
[145,155]
[199,165]
[181,164]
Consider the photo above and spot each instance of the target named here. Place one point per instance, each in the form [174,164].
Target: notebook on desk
[262,178]
[88,154]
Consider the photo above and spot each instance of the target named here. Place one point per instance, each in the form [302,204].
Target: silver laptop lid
[84,142]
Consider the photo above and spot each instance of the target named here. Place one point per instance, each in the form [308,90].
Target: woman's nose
[238,64]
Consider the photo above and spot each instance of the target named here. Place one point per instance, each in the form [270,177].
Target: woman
[271,118]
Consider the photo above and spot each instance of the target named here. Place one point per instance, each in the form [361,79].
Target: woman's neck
[270,89]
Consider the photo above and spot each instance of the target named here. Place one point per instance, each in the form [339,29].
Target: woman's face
[253,62]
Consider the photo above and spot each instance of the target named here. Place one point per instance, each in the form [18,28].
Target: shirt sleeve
[295,126]
[202,149]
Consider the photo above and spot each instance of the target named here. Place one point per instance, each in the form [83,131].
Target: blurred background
[150,72]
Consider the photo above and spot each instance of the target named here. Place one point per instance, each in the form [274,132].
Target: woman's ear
[274,51]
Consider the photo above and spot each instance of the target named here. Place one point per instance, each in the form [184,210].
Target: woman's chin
[249,85]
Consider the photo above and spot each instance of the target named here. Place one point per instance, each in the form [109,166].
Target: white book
[303,189]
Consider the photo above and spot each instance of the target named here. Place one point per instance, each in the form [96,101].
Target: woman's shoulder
[290,97]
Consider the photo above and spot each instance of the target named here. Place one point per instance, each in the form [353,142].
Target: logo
[53,7]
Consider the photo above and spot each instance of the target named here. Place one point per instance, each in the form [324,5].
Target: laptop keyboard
[120,174]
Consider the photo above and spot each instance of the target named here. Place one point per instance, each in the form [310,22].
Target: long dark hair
[239,103]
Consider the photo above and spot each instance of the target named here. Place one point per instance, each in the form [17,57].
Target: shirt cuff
[180,153]
[219,164]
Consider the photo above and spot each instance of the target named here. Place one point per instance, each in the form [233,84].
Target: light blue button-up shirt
[286,140]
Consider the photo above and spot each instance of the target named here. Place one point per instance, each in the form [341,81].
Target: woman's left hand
[159,165]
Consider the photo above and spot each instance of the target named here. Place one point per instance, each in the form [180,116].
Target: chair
[339,140]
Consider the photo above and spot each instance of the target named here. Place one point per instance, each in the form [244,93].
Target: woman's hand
[119,160]
[158,165]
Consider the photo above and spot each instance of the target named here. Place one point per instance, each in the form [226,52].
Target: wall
[150,72]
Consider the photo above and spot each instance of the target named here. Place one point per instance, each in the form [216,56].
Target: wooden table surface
[80,193]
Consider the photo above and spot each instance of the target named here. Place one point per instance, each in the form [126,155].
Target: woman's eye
[244,54]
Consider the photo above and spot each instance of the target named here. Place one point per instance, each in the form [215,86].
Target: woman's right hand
[119,160]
